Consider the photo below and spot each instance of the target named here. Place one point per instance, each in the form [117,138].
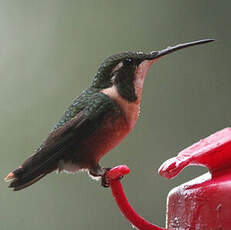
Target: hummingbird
[96,121]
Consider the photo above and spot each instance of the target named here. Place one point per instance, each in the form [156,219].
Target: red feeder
[201,204]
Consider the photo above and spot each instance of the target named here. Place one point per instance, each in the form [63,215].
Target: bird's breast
[112,130]
[130,109]
[109,134]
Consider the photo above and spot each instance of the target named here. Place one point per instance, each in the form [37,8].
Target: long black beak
[171,49]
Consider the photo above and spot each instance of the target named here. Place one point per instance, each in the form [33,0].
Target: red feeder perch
[201,204]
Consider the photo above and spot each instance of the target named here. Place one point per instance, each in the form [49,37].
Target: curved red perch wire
[113,177]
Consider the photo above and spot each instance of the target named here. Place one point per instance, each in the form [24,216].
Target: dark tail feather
[18,184]
[22,178]
[44,161]
[32,170]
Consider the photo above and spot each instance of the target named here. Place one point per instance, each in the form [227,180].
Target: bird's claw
[104,182]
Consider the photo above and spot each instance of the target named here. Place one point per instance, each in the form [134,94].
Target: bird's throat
[130,109]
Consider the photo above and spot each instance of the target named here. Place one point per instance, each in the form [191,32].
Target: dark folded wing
[62,141]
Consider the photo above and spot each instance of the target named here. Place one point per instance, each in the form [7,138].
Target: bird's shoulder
[82,117]
[85,114]
[89,101]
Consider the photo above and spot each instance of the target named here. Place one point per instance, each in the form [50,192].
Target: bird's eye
[128,61]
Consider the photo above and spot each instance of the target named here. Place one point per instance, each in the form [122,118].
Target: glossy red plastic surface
[201,204]
[205,202]
[113,178]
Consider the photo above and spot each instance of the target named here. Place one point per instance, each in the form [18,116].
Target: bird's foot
[109,175]
[98,171]
[104,181]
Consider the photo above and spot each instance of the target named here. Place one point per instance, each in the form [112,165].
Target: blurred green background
[49,52]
